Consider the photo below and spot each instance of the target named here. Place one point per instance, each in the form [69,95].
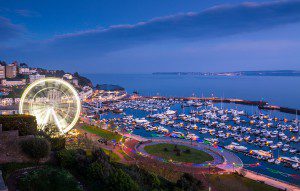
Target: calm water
[283,91]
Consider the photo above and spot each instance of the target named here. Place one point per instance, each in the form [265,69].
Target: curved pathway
[223,159]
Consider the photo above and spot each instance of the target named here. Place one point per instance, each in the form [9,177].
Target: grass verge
[113,156]
[236,182]
[109,135]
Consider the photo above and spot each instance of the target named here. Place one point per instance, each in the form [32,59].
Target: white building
[75,81]
[6,82]
[11,70]
[6,101]
[35,77]
[32,71]
[2,71]
[68,76]
[24,71]
[86,93]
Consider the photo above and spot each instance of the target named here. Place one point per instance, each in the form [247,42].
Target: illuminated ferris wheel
[53,102]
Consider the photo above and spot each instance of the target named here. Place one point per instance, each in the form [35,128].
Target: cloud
[20,12]
[218,21]
[8,30]
[27,13]
[214,22]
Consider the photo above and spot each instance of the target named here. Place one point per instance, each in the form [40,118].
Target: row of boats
[263,134]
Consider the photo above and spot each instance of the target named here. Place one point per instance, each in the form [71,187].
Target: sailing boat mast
[297,123]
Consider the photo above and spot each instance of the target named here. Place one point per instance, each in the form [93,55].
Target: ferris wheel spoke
[43,118]
[38,110]
[63,110]
[57,121]
[46,117]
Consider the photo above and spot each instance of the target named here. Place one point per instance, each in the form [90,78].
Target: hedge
[26,124]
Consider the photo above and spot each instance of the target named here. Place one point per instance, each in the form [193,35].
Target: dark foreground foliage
[48,179]
[97,172]
[188,183]
[25,124]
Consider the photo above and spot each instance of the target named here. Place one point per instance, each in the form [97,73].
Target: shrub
[121,181]
[25,124]
[188,151]
[96,171]
[48,179]
[188,182]
[57,143]
[36,148]
[147,180]
[176,149]
[66,158]
[243,172]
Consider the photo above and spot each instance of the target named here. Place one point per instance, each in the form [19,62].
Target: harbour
[267,141]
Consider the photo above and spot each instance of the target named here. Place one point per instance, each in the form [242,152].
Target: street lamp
[233,166]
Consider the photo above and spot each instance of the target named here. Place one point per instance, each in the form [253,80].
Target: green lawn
[195,156]
[234,182]
[102,133]
[113,156]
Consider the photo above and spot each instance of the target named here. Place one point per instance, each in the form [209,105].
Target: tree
[102,124]
[188,151]
[83,81]
[67,158]
[121,181]
[97,171]
[243,172]
[188,182]
[57,141]
[111,125]
[36,148]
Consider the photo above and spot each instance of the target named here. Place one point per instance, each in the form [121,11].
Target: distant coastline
[237,73]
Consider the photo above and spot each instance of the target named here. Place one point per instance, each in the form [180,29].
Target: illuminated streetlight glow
[51,101]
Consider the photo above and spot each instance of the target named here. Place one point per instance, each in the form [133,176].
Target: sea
[276,90]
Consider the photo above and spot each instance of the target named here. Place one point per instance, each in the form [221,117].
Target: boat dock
[260,104]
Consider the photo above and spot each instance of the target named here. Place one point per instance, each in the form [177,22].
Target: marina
[267,138]
[150,95]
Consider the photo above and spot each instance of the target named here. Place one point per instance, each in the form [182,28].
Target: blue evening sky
[142,36]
